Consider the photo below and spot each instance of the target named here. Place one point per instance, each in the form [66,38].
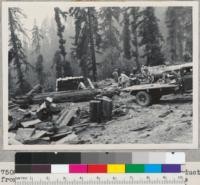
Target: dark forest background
[100,40]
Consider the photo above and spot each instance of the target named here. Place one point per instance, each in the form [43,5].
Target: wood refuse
[67,117]
[64,126]
[49,123]
[165,114]
[27,98]
[61,130]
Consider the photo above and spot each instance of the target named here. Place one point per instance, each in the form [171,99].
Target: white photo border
[104,147]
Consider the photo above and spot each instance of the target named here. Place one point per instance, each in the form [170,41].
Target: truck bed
[149,86]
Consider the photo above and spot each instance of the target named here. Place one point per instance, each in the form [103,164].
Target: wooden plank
[90,83]
[24,134]
[163,68]
[36,89]
[60,135]
[38,134]
[68,117]
[30,123]
[72,138]
[63,114]
[12,140]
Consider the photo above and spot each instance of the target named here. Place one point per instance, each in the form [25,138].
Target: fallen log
[66,96]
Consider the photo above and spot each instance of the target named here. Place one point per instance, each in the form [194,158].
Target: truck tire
[143,98]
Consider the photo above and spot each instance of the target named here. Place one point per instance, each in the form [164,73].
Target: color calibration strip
[99,162]
[99,168]
[100,158]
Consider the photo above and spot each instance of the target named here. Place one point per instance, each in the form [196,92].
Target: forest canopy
[93,42]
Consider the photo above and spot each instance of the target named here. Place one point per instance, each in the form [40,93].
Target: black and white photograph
[100,75]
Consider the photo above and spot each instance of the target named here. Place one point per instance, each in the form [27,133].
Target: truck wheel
[143,98]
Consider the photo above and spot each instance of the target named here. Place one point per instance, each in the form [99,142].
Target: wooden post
[106,108]
[95,111]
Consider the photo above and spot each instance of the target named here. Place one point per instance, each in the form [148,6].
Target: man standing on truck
[133,80]
[123,80]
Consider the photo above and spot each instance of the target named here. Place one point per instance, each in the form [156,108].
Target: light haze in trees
[93,42]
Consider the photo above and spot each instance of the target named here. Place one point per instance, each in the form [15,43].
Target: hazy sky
[39,13]
[47,11]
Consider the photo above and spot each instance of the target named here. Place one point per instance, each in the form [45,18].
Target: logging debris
[60,117]
[50,123]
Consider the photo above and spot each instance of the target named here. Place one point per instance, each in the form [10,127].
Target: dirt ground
[170,121]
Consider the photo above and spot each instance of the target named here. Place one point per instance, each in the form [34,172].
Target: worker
[123,80]
[146,75]
[81,86]
[115,75]
[133,80]
[47,109]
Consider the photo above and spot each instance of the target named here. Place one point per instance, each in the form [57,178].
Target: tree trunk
[92,48]
[135,40]
[16,58]
[136,50]
[180,46]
